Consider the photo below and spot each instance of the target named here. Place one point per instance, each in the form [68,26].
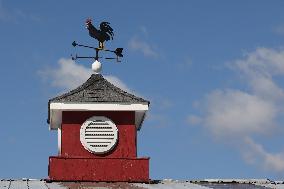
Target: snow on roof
[163,184]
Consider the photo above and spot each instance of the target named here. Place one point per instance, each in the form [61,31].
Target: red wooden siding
[98,169]
[70,135]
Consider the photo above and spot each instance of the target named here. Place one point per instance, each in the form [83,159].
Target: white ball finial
[97,67]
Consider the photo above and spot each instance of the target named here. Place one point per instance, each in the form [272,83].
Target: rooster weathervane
[103,34]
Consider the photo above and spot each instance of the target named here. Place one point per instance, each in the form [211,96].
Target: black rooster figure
[104,34]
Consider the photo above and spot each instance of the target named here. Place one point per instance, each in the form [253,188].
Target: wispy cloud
[158,114]
[240,115]
[140,43]
[185,64]
[4,15]
[157,119]
[69,75]
[193,120]
[144,30]
[148,50]
[255,154]
[15,15]
[162,103]
[279,29]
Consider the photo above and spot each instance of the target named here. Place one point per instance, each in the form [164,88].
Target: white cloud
[69,75]
[233,112]
[254,153]
[137,44]
[241,115]
[259,68]
[262,61]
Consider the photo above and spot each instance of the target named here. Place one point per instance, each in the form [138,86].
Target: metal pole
[97,55]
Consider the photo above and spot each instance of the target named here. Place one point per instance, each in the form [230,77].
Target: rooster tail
[105,28]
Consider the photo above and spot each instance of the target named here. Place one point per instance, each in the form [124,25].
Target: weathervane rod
[97,55]
[85,57]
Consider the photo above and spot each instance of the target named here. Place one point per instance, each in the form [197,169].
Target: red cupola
[97,126]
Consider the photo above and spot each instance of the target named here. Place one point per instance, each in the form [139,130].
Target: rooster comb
[88,20]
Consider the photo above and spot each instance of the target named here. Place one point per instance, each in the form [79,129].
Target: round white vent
[98,135]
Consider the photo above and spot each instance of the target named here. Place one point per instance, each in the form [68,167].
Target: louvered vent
[98,135]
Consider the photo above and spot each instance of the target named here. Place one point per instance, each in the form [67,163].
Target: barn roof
[167,184]
[98,89]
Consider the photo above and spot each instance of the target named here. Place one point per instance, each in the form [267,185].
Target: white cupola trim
[56,109]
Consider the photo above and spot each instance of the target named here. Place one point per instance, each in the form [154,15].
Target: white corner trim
[59,140]
[99,106]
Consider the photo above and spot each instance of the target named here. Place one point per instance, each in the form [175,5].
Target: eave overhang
[56,109]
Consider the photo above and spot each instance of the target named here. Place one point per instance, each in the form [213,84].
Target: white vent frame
[102,137]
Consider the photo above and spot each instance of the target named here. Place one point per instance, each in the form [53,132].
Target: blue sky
[213,71]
